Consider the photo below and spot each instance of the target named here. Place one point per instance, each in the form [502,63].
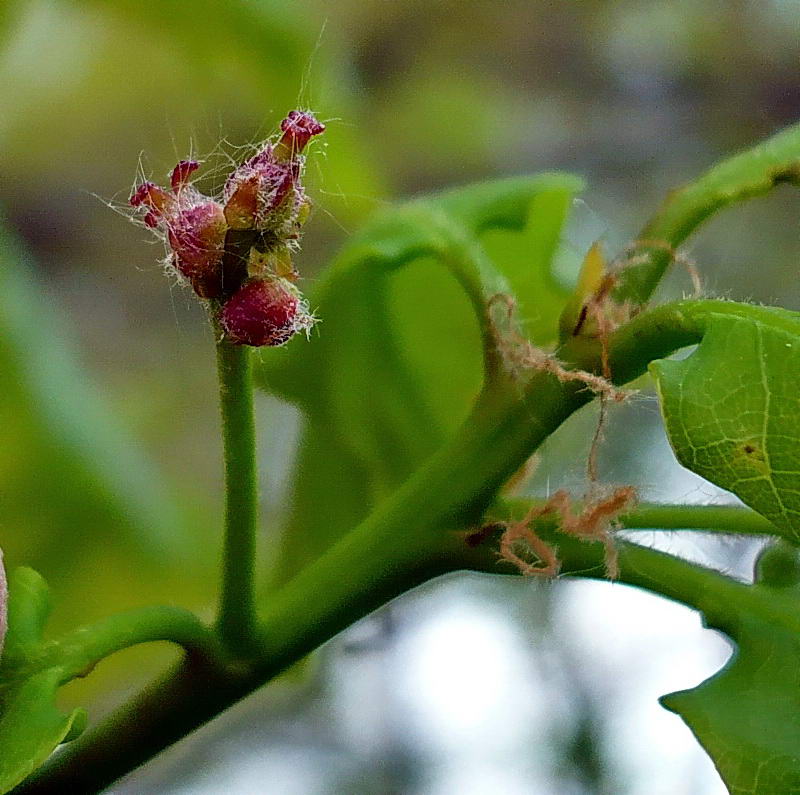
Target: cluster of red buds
[237,252]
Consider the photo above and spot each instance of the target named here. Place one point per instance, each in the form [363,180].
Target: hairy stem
[719,598]
[727,519]
[236,618]
[410,538]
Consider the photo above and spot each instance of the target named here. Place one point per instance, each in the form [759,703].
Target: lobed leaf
[747,716]
[732,414]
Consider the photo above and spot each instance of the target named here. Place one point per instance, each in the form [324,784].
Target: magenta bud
[197,238]
[257,188]
[265,312]
[249,233]
[181,173]
[298,128]
[148,194]
[241,198]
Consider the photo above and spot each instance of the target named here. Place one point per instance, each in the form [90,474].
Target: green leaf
[396,361]
[732,409]
[525,258]
[747,716]
[31,727]
[28,611]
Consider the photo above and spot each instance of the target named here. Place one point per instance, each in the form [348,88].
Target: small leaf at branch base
[31,727]
[28,611]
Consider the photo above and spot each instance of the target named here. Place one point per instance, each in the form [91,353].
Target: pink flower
[197,237]
[298,128]
[258,188]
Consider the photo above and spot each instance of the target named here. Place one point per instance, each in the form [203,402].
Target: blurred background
[109,448]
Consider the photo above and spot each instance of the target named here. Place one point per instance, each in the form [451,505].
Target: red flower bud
[197,237]
[256,189]
[265,193]
[298,128]
[265,312]
[238,250]
[148,194]
[181,173]
[241,194]
[194,225]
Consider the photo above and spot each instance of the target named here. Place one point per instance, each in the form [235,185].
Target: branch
[80,650]
[729,520]
[721,599]
[378,568]
[658,572]
[753,172]
[406,541]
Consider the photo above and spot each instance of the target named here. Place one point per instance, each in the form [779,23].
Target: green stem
[690,584]
[405,542]
[237,605]
[753,172]
[722,600]
[383,559]
[349,581]
[708,518]
[80,650]
[727,519]
[402,544]
[161,714]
